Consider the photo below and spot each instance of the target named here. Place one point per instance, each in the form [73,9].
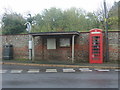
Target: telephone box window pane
[65,42]
[51,43]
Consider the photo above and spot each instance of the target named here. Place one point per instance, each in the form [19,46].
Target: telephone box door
[96,46]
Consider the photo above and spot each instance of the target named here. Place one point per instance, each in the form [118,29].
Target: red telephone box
[96,46]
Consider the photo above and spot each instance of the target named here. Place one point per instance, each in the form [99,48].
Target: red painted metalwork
[96,46]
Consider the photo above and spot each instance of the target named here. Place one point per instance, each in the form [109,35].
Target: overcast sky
[36,6]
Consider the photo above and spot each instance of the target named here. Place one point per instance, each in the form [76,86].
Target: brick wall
[0,47]
[20,47]
[113,45]
[19,42]
[82,47]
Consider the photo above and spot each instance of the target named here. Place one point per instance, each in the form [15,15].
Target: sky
[37,6]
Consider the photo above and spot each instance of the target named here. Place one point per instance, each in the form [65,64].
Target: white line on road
[117,70]
[55,70]
[16,71]
[51,70]
[85,70]
[33,71]
[103,70]
[3,71]
[68,70]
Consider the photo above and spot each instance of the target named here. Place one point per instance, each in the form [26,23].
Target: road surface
[51,77]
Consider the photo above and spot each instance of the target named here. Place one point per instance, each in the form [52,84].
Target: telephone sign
[96,46]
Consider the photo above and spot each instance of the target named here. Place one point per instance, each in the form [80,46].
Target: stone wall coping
[14,35]
[80,32]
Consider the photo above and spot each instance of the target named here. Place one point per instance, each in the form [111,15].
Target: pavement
[80,65]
